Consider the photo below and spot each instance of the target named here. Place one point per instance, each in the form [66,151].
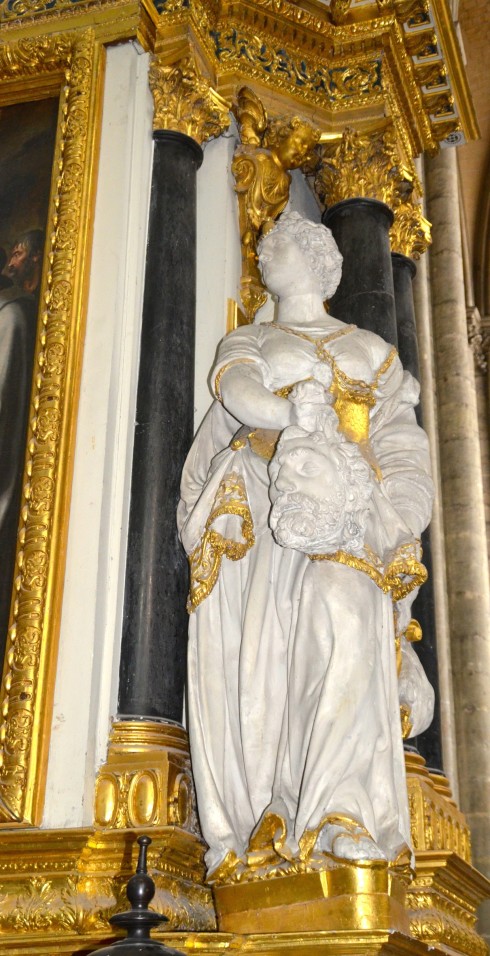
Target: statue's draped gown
[292,691]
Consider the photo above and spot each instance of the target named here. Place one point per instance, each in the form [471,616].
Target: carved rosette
[185,101]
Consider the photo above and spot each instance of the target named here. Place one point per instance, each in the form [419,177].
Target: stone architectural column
[404,270]
[375,292]
[429,743]
[153,651]
[148,742]
[365,295]
[464,516]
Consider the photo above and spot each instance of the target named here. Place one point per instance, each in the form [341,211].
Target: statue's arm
[402,450]
[244,395]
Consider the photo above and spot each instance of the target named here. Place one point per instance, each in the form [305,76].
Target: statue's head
[320,489]
[310,250]
[291,140]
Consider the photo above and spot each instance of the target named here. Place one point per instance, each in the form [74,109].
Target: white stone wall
[88,662]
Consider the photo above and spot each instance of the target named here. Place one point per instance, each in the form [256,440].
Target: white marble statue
[303,499]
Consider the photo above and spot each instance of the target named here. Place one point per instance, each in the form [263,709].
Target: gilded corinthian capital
[360,165]
[368,165]
[185,101]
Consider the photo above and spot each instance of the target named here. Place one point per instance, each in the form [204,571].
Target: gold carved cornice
[351,57]
[185,101]
[361,60]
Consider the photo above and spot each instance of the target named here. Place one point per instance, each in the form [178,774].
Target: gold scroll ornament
[268,149]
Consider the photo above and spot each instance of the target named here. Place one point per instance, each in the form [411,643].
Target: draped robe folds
[293,700]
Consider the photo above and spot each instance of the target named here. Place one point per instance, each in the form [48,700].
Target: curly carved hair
[317,241]
[280,129]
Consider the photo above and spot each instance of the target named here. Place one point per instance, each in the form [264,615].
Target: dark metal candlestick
[139,920]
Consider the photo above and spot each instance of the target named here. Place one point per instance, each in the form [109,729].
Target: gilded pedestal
[345,897]
[446,890]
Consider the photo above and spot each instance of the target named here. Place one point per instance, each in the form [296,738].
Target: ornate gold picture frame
[35,64]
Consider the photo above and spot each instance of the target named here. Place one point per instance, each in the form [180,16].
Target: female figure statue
[303,499]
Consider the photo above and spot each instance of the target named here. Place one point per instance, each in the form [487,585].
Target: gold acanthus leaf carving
[362,164]
[185,101]
[34,55]
[410,233]
[369,165]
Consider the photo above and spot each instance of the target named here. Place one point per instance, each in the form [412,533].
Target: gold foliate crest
[361,165]
[185,101]
[368,165]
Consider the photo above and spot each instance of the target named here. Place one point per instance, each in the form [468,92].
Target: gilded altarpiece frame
[35,64]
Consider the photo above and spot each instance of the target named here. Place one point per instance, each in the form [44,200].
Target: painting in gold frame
[36,66]
[27,138]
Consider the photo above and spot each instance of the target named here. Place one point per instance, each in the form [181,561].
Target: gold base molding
[146,780]
[363,943]
[446,891]
[70,882]
[346,897]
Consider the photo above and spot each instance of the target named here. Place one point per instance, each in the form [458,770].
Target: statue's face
[309,470]
[285,267]
[293,151]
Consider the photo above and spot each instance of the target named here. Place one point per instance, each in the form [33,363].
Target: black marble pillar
[365,296]
[153,653]
[429,743]
[404,270]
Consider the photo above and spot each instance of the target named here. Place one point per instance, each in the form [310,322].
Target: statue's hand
[309,416]
[311,405]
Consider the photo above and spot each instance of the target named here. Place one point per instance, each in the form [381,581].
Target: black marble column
[429,743]
[365,296]
[404,270]
[153,653]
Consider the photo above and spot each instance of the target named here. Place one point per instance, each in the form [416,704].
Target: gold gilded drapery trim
[205,560]
[72,63]
[353,397]
[401,576]
[344,381]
